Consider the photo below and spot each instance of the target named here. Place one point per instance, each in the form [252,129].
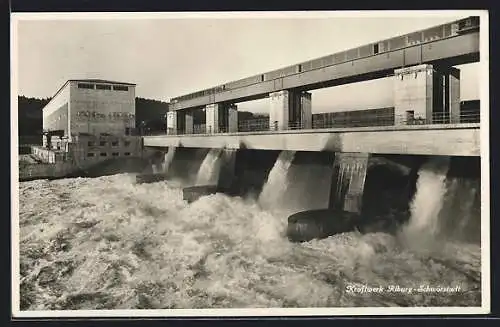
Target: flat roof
[87,80]
[92,80]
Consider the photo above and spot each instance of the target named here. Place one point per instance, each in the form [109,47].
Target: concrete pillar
[348,181]
[306,110]
[446,95]
[221,118]
[189,122]
[290,110]
[278,110]
[232,119]
[178,122]
[172,123]
[212,118]
[413,95]
[452,77]
[425,94]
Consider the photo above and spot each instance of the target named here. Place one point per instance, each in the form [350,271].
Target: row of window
[102,87]
[105,154]
[113,143]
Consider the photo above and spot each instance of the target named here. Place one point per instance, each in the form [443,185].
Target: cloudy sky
[170,55]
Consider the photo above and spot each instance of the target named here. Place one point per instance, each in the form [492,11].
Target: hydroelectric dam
[300,209]
[348,172]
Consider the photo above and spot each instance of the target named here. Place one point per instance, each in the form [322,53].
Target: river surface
[108,243]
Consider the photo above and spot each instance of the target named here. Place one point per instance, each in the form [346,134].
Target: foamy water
[109,243]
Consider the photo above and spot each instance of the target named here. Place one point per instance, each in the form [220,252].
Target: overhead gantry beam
[458,50]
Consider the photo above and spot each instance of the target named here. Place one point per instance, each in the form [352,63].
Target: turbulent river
[108,243]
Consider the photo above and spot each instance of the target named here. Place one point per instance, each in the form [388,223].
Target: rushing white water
[208,173]
[108,243]
[273,193]
[428,200]
[443,208]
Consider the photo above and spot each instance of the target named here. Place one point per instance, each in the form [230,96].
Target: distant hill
[30,115]
[152,113]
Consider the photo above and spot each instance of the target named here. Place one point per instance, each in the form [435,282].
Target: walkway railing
[352,119]
[254,125]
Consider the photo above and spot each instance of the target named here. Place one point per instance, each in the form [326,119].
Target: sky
[172,55]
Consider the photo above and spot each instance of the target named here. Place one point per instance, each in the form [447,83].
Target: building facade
[91,106]
[101,147]
[93,119]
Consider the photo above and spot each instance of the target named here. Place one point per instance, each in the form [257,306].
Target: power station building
[95,117]
[91,106]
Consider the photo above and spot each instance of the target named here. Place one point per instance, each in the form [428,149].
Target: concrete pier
[426,94]
[289,110]
[221,118]
[348,181]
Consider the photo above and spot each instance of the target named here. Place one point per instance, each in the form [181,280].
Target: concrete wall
[46,170]
[57,112]
[48,156]
[114,109]
[457,140]
[92,148]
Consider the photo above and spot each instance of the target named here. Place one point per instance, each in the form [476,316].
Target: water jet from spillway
[446,204]
[277,181]
[422,228]
[208,174]
[208,180]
